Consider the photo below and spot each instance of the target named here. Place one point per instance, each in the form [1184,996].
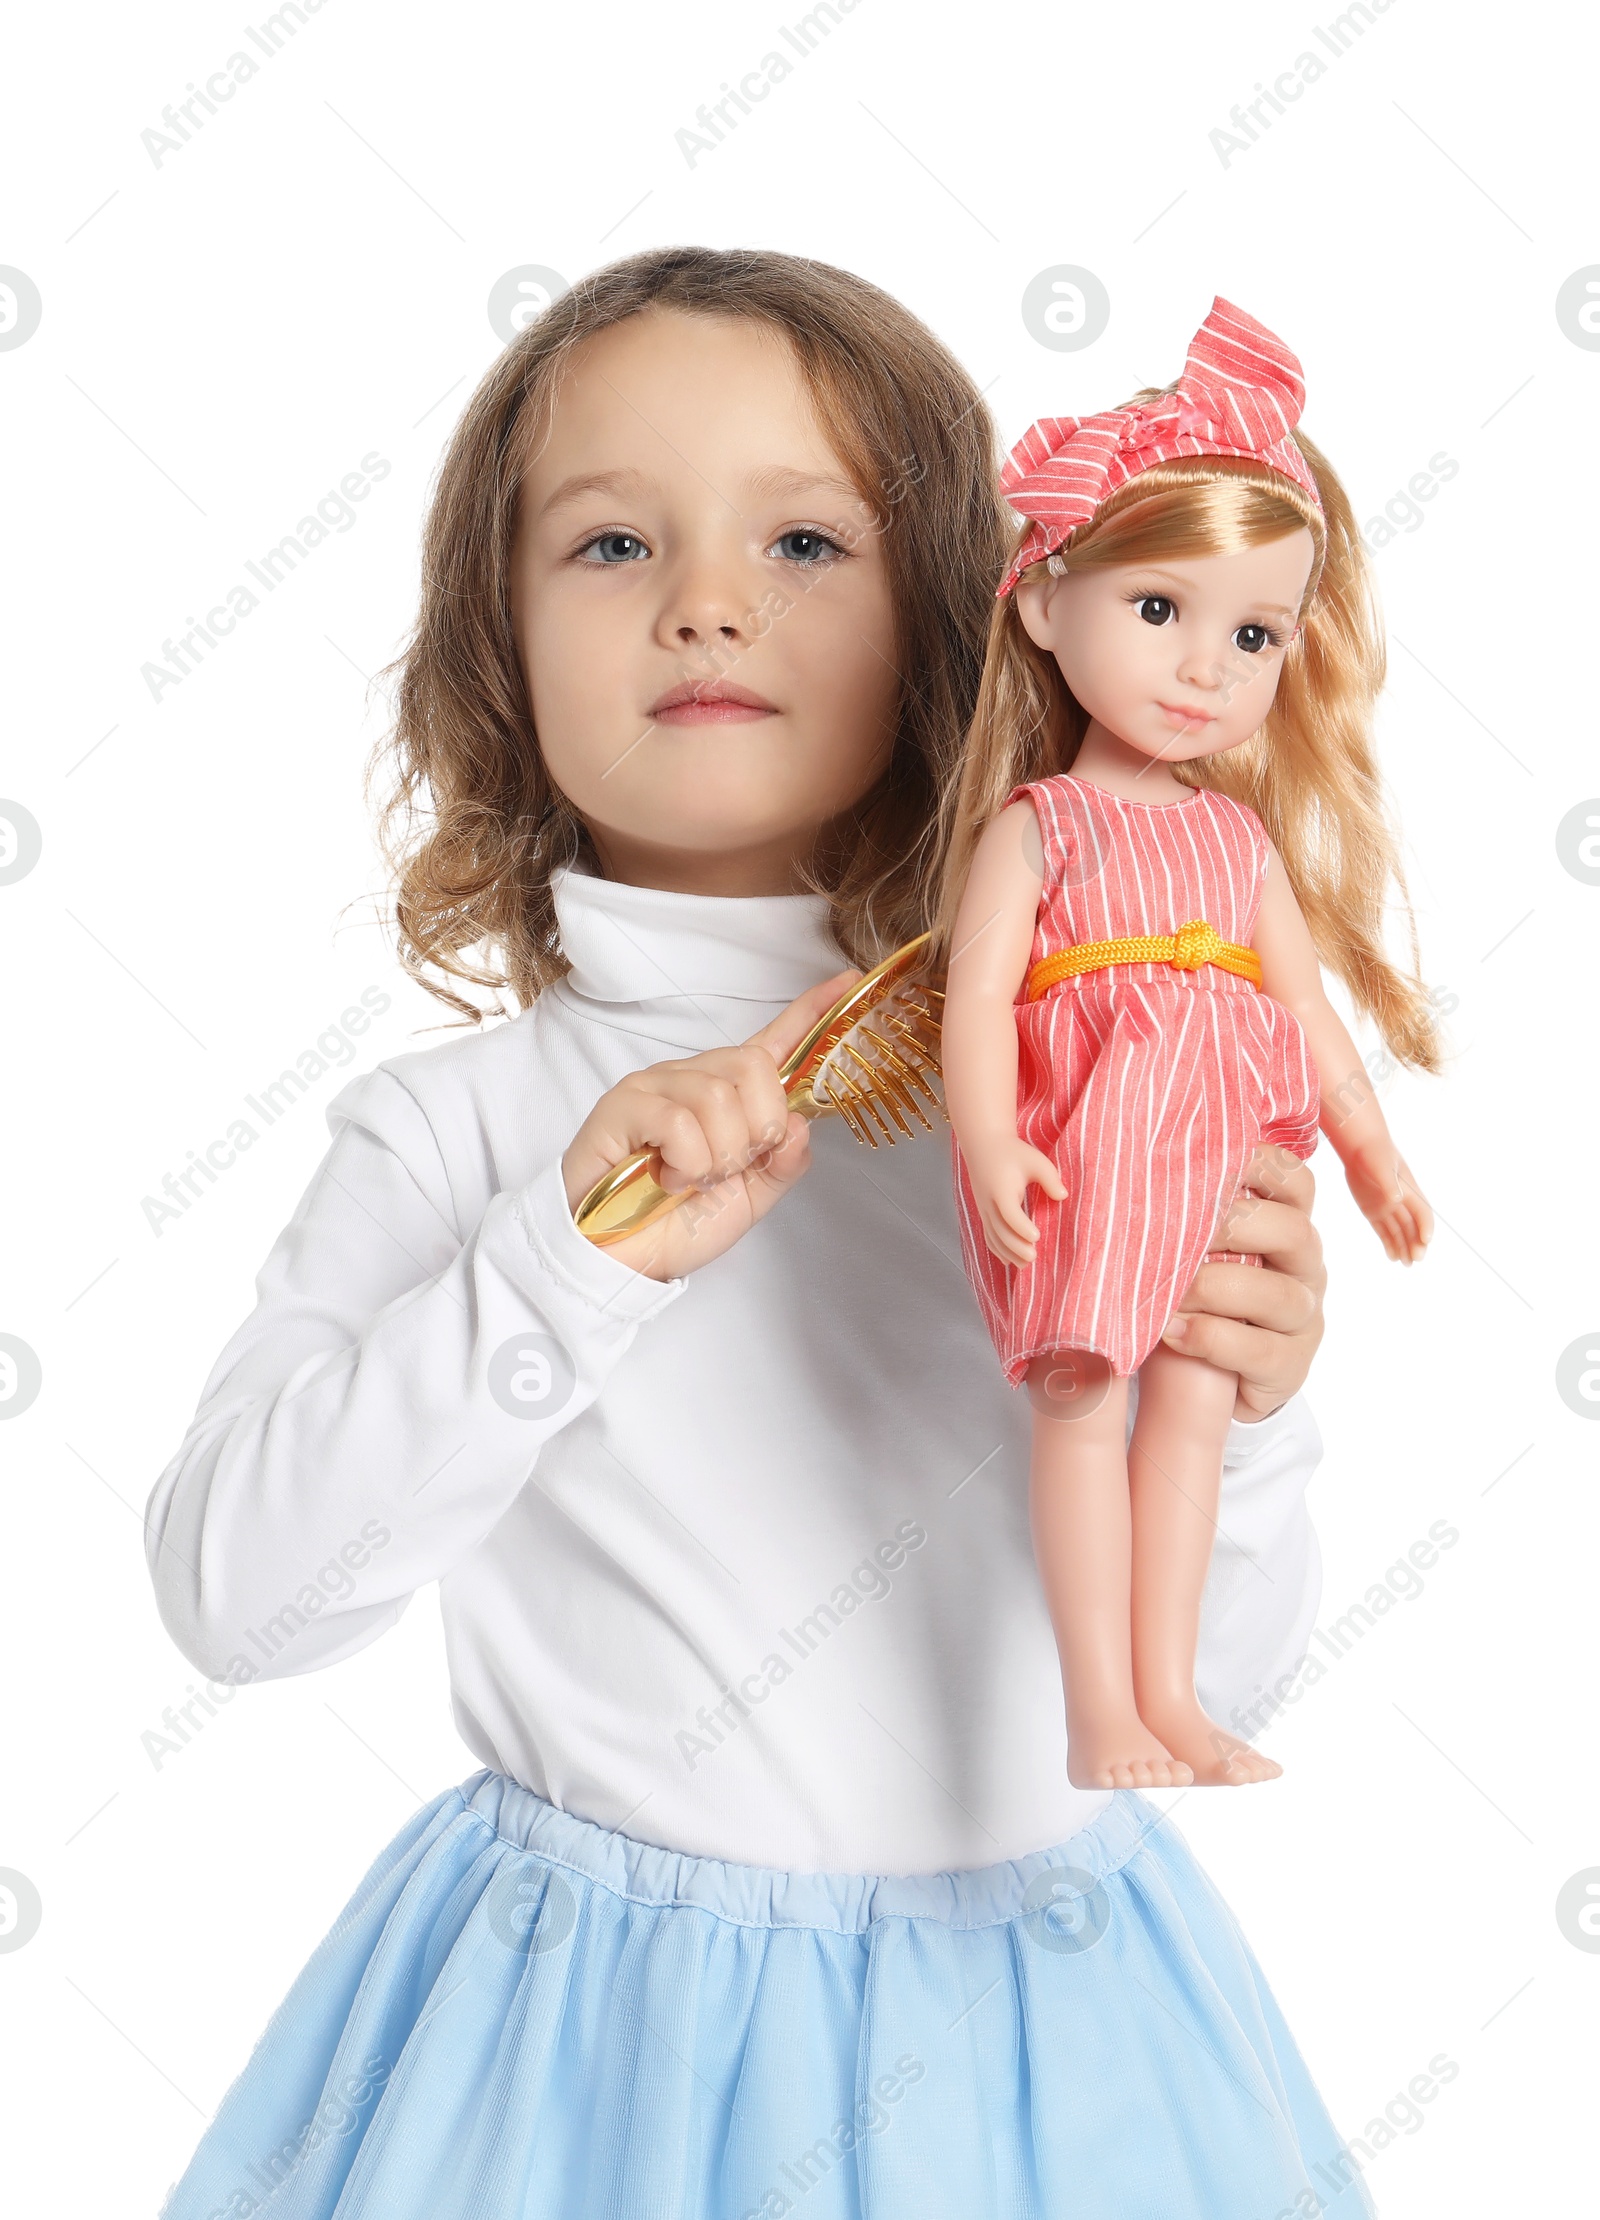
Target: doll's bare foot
[1217,1759]
[1117,1750]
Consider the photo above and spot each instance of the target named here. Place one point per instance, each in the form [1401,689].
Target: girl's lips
[710,711]
[712,702]
[1187,716]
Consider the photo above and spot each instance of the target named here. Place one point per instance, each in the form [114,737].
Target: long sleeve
[376,1415]
[1265,1581]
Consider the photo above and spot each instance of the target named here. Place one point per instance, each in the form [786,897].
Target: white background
[223,337]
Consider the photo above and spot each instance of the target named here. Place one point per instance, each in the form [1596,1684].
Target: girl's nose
[705,606]
[690,634]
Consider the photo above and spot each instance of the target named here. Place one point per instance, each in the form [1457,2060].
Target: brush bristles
[895,1058]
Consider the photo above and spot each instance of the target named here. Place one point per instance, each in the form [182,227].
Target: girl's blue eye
[1156,608]
[615,547]
[1250,639]
[804,546]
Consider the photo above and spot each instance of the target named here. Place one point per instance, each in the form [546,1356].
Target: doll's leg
[1082,1540]
[1175,1483]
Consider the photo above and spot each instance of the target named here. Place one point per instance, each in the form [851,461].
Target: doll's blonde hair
[1309,772]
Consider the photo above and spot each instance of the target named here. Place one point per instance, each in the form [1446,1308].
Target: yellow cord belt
[1187,949]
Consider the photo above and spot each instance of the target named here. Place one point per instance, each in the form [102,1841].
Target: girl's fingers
[751,1069]
[695,1123]
[706,1116]
[1281,1176]
[718,1124]
[1277,1301]
[1276,1229]
[659,1118]
[775,1170]
[784,1033]
[736,1094]
[1280,1233]
[717,1105]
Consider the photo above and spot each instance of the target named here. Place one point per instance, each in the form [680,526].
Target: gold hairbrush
[869,1074]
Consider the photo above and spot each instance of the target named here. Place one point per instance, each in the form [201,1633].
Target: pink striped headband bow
[1240,394]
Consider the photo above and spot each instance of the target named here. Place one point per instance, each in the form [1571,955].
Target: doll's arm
[1378,1175]
[990,945]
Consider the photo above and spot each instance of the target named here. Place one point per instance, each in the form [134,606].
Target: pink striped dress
[1147,1086]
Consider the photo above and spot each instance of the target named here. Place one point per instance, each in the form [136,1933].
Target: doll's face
[701,607]
[1178,659]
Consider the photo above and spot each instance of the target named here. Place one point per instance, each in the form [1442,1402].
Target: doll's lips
[711,701]
[1187,716]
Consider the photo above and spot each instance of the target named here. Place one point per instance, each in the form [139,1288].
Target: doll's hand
[721,1127]
[1001,1171]
[1381,1182]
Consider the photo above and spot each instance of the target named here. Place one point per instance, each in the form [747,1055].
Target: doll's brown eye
[1156,608]
[1250,639]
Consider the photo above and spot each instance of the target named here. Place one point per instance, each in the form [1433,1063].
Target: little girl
[770,1893]
[1134,1002]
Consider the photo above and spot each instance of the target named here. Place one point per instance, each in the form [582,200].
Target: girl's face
[701,607]
[1177,659]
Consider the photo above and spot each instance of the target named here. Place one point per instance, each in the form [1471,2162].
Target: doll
[1168,813]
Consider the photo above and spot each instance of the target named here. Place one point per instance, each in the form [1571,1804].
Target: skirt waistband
[842,1903]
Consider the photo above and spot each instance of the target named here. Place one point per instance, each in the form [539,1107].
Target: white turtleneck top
[739,1563]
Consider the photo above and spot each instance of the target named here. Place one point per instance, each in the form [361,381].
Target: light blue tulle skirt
[520,2015]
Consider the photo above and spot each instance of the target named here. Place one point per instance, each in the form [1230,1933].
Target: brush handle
[626,1200]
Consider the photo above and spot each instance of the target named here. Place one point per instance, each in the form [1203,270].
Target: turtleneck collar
[694,971]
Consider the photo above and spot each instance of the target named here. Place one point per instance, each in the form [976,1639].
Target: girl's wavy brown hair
[1309,772]
[473,826]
